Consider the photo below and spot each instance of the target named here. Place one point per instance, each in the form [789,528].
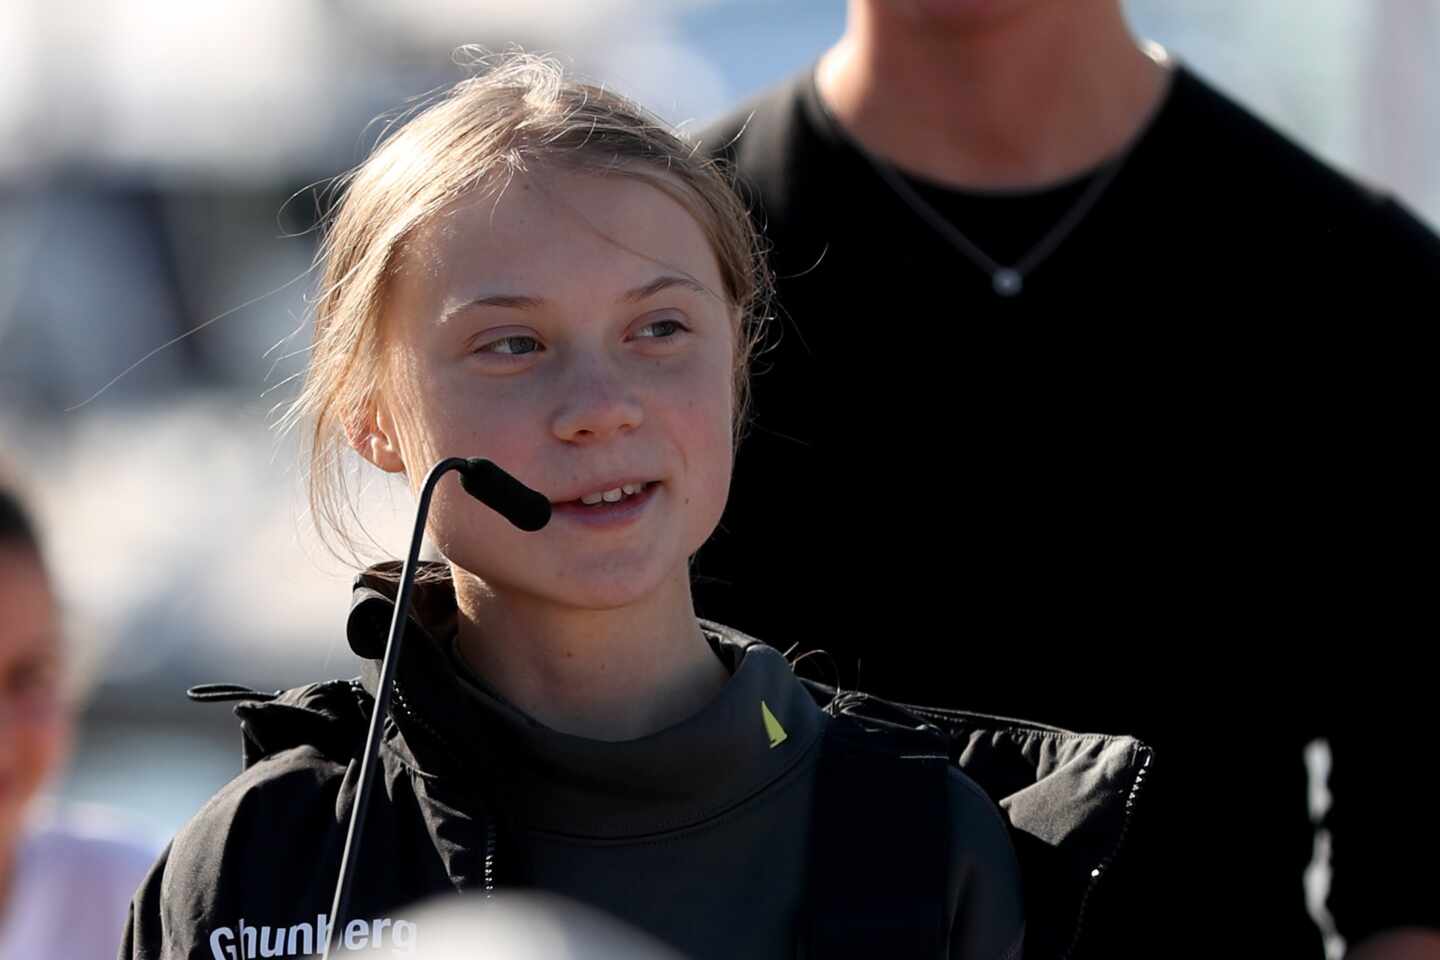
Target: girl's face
[573,332]
[33,721]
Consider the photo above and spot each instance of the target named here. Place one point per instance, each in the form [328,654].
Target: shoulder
[262,841]
[288,806]
[975,815]
[299,746]
[1202,120]
[934,831]
[265,846]
[279,794]
[985,894]
[1248,157]
[775,107]
[770,147]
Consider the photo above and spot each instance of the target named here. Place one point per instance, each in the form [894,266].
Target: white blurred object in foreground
[515,926]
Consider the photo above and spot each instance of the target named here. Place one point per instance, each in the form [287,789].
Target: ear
[375,438]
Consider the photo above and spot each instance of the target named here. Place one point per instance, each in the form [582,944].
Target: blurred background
[155,166]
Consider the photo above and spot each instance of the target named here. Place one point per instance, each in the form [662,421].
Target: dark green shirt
[699,833]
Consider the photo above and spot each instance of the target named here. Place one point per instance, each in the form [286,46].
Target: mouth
[616,505]
[616,494]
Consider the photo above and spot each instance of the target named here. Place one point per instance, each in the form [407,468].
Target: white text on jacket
[303,939]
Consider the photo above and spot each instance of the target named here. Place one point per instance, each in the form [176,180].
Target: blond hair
[520,113]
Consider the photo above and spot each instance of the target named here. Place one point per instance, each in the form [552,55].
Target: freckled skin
[597,401]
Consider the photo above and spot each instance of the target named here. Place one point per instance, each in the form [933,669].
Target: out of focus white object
[75,872]
[517,926]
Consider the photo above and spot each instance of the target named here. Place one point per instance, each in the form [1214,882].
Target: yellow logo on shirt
[773,729]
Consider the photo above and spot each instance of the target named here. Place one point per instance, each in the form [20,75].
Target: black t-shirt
[1177,487]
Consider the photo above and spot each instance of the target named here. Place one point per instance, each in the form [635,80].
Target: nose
[597,404]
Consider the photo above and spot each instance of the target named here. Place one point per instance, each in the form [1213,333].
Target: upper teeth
[611,496]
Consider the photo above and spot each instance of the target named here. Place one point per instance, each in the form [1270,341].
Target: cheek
[40,747]
[709,422]
[445,421]
[465,531]
[37,751]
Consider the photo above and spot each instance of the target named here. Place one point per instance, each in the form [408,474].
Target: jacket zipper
[490,864]
[1099,871]
[490,846]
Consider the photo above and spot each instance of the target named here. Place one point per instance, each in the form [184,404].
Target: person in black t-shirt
[1108,404]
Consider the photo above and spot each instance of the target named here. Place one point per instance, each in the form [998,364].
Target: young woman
[537,272]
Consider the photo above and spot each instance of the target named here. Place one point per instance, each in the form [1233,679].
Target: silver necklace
[1007,281]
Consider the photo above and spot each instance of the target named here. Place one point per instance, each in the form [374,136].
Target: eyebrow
[523,302]
[662,283]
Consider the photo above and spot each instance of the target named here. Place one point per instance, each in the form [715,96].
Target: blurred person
[536,271]
[1067,337]
[66,874]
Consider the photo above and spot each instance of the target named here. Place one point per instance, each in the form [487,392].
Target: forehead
[550,232]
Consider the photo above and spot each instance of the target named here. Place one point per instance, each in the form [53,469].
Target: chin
[965,13]
[602,585]
[611,588]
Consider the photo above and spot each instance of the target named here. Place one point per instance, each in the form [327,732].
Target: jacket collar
[757,730]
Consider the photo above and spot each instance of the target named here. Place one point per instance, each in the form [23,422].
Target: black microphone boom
[515,502]
[504,494]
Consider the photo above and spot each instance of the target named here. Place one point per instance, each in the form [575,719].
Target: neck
[607,675]
[1022,101]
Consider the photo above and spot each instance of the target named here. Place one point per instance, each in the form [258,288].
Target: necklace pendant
[1007,282]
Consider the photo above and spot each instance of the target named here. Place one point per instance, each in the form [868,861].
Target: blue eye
[511,346]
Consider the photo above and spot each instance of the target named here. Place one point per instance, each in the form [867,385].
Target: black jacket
[254,871]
